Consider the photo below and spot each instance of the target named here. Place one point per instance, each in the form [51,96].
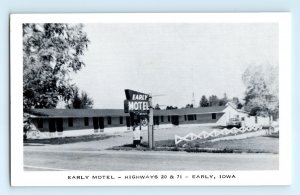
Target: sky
[172,61]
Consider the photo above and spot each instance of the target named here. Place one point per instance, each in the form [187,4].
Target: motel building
[58,122]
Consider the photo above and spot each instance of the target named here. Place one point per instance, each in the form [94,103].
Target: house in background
[59,121]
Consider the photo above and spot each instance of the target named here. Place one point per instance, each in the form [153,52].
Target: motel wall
[219,119]
[78,123]
[190,118]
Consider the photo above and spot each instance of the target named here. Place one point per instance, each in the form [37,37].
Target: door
[101,122]
[95,123]
[175,120]
[59,124]
[52,125]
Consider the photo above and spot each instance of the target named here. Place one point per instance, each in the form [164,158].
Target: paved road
[106,160]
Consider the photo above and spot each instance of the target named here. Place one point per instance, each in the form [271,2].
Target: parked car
[234,122]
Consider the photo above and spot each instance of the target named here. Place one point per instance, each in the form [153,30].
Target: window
[121,120]
[162,118]
[109,120]
[185,117]
[195,117]
[169,118]
[70,122]
[86,121]
[213,116]
[40,123]
[191,117]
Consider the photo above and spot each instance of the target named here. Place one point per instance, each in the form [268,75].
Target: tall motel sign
[139,105]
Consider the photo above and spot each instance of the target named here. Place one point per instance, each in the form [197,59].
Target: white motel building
[103,120]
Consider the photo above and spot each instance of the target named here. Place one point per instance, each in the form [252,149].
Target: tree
[50,53]
[261,96]
[224,100]
[171,108]
[157,107]
[213,100]
[189,106]
[236,101]
[239,106]
[80,102]
[87,102]
[204,101]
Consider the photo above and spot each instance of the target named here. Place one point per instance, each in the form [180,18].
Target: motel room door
[175,120]
[95,123]
[59,125]
[52,127]
[101,123]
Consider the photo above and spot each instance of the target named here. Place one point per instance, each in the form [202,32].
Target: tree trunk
[270,124]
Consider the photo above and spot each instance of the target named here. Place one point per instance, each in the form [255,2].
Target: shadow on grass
[65,140]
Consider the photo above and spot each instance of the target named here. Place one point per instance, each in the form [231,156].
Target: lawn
[67,140]
[249,145]
[254,144]
[164,140]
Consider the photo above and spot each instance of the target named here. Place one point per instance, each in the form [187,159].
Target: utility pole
[193,100]
[150,125]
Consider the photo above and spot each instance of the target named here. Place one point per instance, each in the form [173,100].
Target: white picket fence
[215,133]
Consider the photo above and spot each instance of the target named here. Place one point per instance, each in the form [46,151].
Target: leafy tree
[261,96]
[157,107]
[237,102]
[80,102]
[213,100]
[171,108]
[189,106]
[87,102]
[224,100]
[204,101]
[239,106]
[50,52]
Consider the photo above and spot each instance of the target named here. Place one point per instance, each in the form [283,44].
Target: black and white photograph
[150,99]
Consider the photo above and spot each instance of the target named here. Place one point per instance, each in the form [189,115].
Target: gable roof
[62,113]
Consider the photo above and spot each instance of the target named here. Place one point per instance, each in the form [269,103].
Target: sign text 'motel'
[136,101]
[135,106]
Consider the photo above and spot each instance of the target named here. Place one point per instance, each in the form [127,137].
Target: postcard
[150,99]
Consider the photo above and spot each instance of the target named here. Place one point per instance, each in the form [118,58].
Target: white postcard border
[19,177]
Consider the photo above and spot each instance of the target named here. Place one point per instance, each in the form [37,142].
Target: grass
[67,140]
[250,145]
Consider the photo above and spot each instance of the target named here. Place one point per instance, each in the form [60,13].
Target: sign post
[138,103]
[150,125]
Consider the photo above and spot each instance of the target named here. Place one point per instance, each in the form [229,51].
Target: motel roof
[77,113]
